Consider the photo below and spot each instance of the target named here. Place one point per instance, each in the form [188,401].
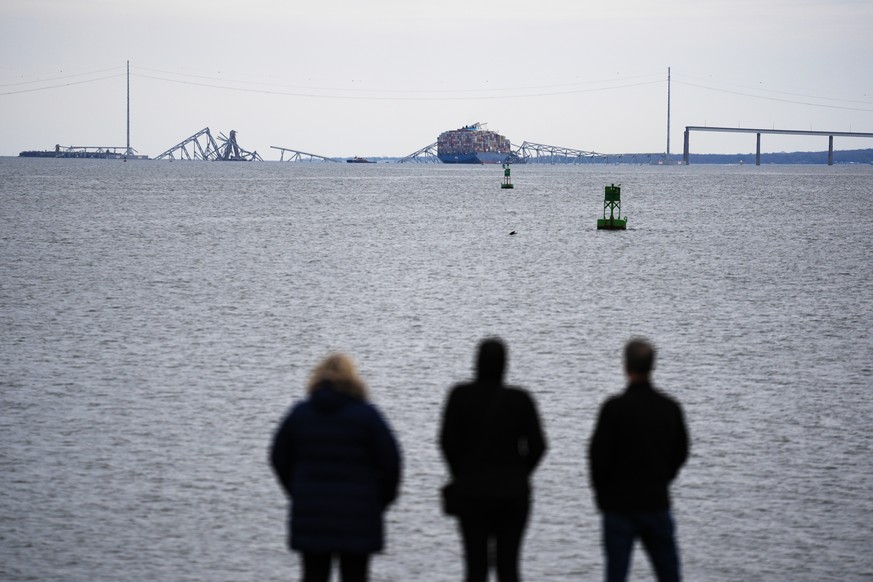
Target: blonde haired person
[338,461]
[341,371]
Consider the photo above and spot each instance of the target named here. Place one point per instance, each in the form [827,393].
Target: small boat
[357,160]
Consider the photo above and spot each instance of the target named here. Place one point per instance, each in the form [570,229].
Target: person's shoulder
[363,408]
[519,395]
[297,408]
[293,416]
[614,397]
[668,405]
[363,413]
[462,390]
[666,397]
[617,396]
[618,403]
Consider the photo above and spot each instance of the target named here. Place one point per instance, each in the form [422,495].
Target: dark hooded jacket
[339,463]
[638,446]
[491,435]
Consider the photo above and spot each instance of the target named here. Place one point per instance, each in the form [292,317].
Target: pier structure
[830,135]
[426,155]
[87,152]
[298,156]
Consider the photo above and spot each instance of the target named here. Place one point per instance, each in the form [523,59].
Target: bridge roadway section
[829,134]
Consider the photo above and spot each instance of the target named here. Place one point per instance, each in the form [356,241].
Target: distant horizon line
[655,155]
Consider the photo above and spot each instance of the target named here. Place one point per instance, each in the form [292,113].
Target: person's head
[339,370]
[639,358]
[491,361]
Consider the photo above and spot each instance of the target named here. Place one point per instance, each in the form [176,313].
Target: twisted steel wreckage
[202,146]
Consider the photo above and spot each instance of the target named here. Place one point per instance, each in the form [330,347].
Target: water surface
[158,318]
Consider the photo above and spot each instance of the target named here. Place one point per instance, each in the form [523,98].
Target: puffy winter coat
[338,461]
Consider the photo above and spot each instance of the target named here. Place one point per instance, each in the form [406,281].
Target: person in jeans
[492,442]
[638,446]
[338,461]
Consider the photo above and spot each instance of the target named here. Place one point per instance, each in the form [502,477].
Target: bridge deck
[758,131]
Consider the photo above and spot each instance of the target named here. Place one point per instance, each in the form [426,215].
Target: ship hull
[474,158]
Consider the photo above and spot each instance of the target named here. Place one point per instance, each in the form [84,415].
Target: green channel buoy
[507,183]
[612,201]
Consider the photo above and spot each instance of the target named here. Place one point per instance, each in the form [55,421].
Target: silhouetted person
[338,461]
[492,441]
[639,444]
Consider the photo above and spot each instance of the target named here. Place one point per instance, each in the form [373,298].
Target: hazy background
[385,77]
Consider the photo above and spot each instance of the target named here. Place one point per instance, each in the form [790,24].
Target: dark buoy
[507,183]
[612,201]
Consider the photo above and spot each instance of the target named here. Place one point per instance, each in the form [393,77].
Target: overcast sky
[385,77]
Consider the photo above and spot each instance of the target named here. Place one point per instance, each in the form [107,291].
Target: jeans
[656,531]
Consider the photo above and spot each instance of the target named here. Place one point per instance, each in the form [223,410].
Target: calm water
[158,318]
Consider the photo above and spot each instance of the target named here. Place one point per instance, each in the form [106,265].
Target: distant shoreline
[858,156]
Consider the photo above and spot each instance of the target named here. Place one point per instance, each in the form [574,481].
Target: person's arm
[598,453]
[388,459]
[680,452]
[451,444]
[282,457]
[534,436]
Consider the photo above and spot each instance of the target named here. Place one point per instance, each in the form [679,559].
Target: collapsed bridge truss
[539,153]
[527,152]
[202,146]
[298,156]
[427,154]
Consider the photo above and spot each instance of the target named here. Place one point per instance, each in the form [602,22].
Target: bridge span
[829,134]
[527,152]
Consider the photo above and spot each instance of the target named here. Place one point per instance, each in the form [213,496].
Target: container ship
[472,144]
